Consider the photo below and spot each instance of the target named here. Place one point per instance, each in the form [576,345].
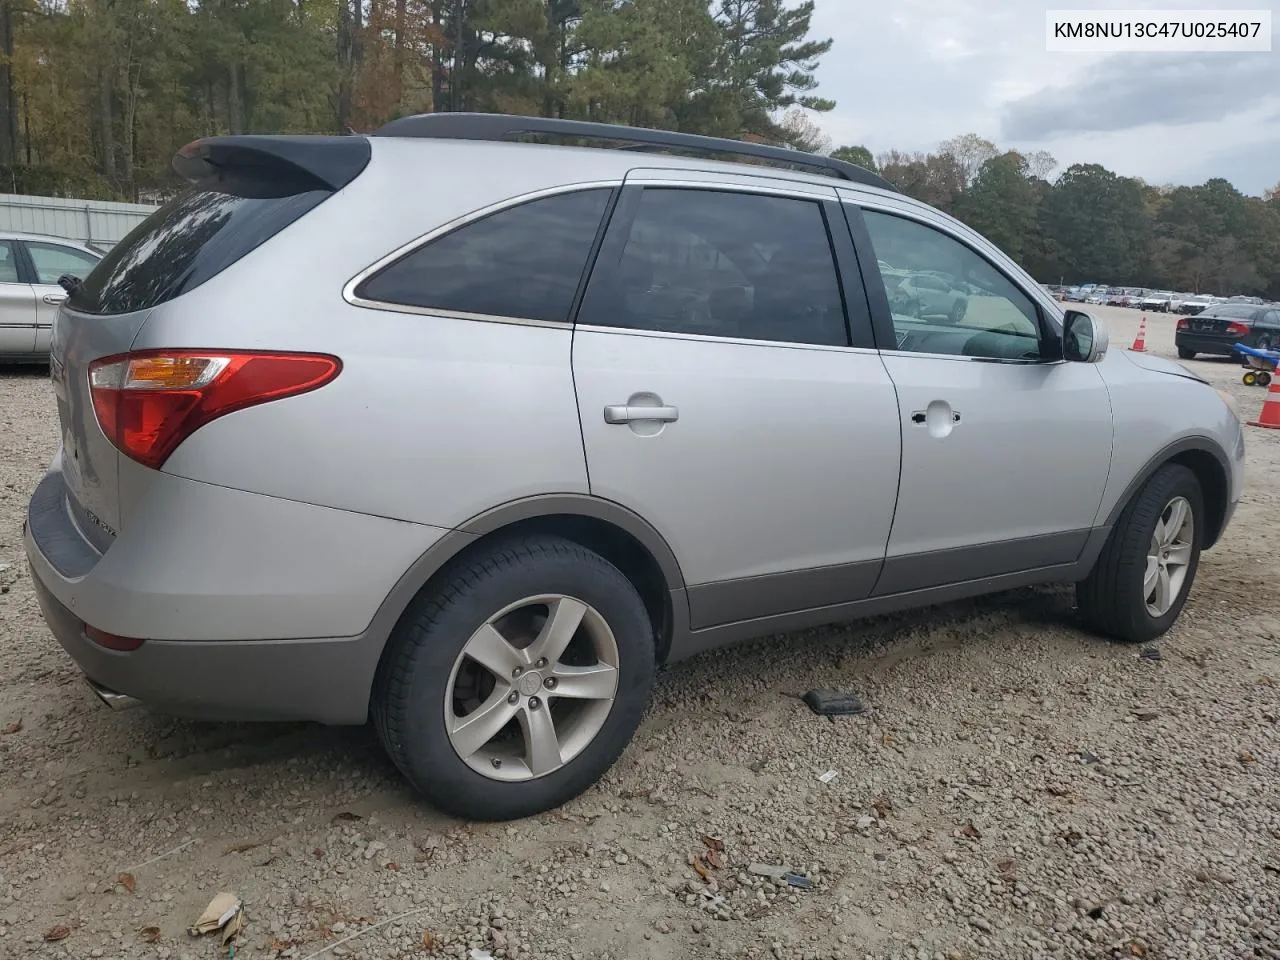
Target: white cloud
[925,70]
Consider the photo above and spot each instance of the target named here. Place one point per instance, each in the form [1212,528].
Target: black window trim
[881,315]
[857,314]
[27,263]
[350,291]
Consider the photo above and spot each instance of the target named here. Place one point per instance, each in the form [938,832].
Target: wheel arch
[1203,457]
[618,534]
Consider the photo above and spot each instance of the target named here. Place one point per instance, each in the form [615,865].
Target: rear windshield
[1236,311]
[190,239]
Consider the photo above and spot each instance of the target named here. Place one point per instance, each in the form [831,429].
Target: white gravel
[1018,788]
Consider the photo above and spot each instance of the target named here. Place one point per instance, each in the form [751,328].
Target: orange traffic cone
[1270,415]
[1140,341]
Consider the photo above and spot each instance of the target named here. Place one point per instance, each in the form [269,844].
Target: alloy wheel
[1168,556]
[531,688]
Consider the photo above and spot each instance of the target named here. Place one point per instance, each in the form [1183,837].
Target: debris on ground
[225,912]
[770,870]
[828,776]
[833,703]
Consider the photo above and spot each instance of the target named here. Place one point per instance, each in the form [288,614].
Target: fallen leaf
[318,852]
[970,831]
[128,881]
[12,728]
[1136,948]
[428,940]
[393,866]
[700,867]
[888,740]
[346,815]
[713,843]
[278,945]
[1247,757]
[714,859]
[60,932]
[149,934]
[882,807]
[242,847]
[1267,681]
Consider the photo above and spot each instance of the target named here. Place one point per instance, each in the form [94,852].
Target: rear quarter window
[524,262]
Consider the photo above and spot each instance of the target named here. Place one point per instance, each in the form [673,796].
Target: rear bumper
[1205,344]
[324,680]
[250,607]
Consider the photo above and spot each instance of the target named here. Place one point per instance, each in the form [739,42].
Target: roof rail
[500,126]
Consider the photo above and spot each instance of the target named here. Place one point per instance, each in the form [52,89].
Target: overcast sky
[910,73]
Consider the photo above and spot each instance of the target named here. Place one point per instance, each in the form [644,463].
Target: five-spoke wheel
[516,679]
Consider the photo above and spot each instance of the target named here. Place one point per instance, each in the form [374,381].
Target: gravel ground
[1017,788]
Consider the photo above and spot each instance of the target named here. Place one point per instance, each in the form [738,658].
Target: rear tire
[450,660]
[1116,598]
[1186,354]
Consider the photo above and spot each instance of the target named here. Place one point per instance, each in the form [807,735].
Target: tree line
[1089,224]
[96,95]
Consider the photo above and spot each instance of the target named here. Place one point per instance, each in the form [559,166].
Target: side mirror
[1084,339]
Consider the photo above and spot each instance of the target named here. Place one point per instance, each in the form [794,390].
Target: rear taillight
[1183,323]
[1238,329]
[148,402]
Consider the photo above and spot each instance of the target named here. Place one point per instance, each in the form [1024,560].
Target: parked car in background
[929,295]
[734,436]
[1156,301]
[1077,294]
[30,265]
[1194,305]
[1219,327]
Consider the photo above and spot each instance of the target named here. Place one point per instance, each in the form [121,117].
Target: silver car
[30,265]
[475,462]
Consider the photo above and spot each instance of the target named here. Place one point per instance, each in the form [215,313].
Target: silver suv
[475,461]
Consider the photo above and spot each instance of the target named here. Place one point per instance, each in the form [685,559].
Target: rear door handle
[54,298]
[622,413]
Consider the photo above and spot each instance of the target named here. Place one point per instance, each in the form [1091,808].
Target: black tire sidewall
[1139,522]
[429,639]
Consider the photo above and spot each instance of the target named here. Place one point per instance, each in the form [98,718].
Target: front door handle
[624,413]
[54,298]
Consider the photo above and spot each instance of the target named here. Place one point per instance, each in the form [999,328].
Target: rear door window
[722,264]
[190,239]
[522,262]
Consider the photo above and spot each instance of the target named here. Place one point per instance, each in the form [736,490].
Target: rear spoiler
[327,163]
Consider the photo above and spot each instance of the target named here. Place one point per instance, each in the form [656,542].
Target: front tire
[1141,580]
[516,683]
[1186,354]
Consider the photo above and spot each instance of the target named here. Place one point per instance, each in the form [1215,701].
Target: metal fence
[101,223]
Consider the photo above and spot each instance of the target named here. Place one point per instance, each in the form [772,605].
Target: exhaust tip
[116,701]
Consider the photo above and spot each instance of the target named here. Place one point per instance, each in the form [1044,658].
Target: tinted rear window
[1245,313]
[525,261]
[190,239]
